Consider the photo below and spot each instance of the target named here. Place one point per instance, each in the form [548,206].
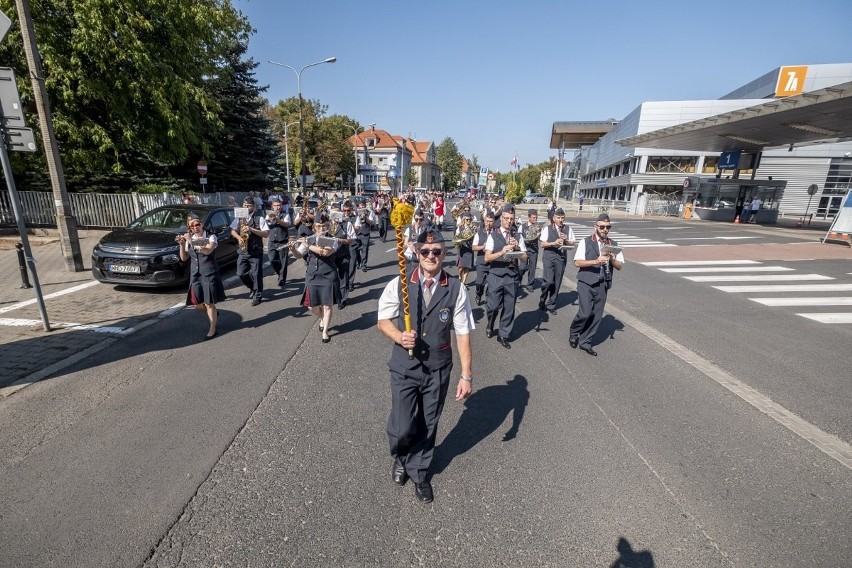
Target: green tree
[334,154]
[126,78]
[449,160]
[410,179]
[244,153]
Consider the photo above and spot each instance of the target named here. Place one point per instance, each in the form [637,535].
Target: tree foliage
[126,79]
[449,160]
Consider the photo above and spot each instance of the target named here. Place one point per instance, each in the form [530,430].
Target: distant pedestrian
[746,210]
[581,197]
[755,208]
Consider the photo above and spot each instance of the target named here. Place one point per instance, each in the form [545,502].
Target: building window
[839,178]
[710,163]
[671,164]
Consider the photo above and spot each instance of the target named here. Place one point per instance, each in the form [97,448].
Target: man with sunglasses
[594,279]
[250,260]
[421,360]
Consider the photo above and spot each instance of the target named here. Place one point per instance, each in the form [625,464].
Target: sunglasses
[602,227]
[418,218]
[194,225]
[436,252]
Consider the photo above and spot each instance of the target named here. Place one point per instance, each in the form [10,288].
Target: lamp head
[330,60]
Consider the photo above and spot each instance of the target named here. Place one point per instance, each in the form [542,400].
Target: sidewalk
[88,318]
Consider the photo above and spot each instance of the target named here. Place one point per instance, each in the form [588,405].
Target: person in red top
[438,209]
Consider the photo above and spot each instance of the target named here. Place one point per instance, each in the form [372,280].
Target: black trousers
[342,262]
[553,269]
[592,300]
[481,278]
[502,295]
[279,259]
[417,401]
[529,267]
[363,251]
[383,228]
[250,272]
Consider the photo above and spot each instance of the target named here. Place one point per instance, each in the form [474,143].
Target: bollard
[25,279]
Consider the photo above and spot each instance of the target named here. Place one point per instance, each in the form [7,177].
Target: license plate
[124,268]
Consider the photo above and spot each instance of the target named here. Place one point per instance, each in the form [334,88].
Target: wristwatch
[468,379]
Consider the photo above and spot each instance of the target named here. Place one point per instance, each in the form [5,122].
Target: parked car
[535,198]
[145,252]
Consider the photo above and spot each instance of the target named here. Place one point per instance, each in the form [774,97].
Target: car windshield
[171,220]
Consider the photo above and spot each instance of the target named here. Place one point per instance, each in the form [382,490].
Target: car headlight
[170,259]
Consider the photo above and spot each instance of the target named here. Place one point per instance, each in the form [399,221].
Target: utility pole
[69,242]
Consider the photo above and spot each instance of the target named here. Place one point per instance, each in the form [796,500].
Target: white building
[609,170]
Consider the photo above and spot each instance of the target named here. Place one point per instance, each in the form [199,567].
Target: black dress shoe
[363,269]
[589,350]
[541,306]
[552,312]
[504,342]
[326,339]
[573,341]
[479,300]
[423,491]
[489,333]
[398,473]
[341,305]
[255,301]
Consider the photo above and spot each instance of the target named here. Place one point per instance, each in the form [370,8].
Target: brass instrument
[466,234]
[532,232]
[336,218]
[456,209]
[244,235]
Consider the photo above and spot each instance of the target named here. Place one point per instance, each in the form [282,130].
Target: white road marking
[758,278]
[810,301]
[698,262]
[728,269]
[787,288]
[47,297]
[839,317]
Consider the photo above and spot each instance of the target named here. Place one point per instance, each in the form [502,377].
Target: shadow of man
[629,558]
[485,410]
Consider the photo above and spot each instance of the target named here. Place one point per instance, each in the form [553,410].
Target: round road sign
[490,176]
[202,167]
[812,189]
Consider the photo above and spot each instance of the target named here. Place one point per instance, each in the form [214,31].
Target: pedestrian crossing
[624,240]
[740,277]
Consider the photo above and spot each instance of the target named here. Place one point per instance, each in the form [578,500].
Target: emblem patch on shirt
[444,315]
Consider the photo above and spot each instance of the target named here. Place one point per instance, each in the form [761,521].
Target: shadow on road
[485,410]
[629,558]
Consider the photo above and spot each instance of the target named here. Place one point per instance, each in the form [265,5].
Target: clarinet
[606,266]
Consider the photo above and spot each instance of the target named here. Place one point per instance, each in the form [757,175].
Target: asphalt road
[267,447]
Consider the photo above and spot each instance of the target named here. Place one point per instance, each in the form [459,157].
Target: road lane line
[698,262]
[812,301]
[759,278]
[728,269]
[838,317]
[829,444]
[787,288]
[49,296]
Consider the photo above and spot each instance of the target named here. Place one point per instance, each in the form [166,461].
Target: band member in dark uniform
[205,283]
[478,246]
[531,232]
[321,282]
[555,239]
[503,275]
[345,236]
[594,279]
[363,228]
[419,382]
[383,208]
[464,242]
[250,233]
[279,224]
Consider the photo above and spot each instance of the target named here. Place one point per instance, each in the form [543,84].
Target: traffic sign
[490,177]
[203,181]
[812,189]
[202,167]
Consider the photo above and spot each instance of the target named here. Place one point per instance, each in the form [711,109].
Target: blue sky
[496,75]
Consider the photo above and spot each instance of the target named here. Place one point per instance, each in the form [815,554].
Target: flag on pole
[514,163]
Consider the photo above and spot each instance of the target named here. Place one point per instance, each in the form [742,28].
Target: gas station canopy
[823,115]
[579,133]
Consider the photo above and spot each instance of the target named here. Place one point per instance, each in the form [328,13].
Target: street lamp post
[301,121]
[355,178]
[287,154]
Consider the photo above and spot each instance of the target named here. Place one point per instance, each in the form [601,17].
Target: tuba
[244,235]
[457,209]
[532,232]
[466,234]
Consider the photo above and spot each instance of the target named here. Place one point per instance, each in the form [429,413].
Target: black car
[145,252]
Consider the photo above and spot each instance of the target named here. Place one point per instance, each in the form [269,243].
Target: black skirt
[205,289]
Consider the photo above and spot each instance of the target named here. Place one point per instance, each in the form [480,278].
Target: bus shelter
[717,199]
